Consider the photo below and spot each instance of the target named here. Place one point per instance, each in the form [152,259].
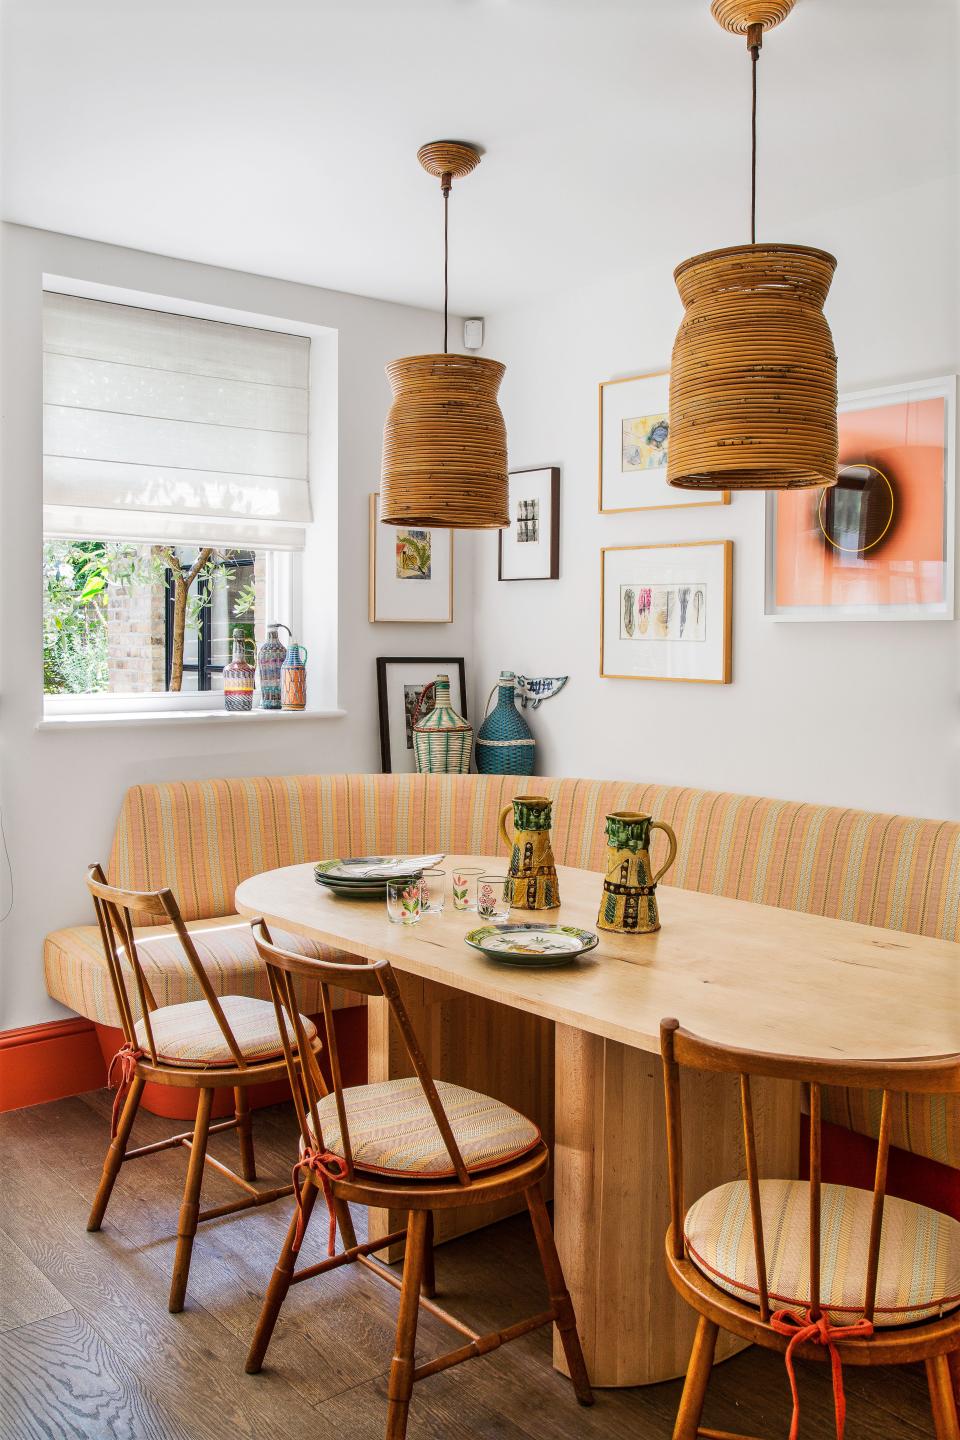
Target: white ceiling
[279,136]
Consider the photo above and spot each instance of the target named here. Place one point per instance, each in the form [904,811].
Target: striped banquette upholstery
[201,838]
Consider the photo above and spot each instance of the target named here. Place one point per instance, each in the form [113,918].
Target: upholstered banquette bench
[202,838]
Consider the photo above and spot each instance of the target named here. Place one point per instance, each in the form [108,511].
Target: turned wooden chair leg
[940,1381]
[699,1370]
[190,1209]
[953,1360]
[428,1286]
[566,1321]
[117,1150]
[248,1163]
[400,1384]
[280,1282]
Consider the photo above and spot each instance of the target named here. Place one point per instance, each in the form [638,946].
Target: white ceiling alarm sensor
[473,334]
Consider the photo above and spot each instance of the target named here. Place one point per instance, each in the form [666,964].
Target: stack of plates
[364,877]
[532,944]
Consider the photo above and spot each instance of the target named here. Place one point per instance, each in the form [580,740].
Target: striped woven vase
[505,745]
[442,740]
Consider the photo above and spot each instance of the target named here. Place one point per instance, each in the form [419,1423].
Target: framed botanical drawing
[878,545]
[634,440]
[400,683]
[411,572]
[530,548]
[666,611]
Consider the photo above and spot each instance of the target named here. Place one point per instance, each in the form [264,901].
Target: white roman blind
[161,427]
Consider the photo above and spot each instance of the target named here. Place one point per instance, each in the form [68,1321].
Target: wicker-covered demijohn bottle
[442,739]
[505,743]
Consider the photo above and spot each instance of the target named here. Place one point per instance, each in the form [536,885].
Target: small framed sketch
[666,611]
[400,683]
[530,548]
[634,440]
[411,572]
[878,545]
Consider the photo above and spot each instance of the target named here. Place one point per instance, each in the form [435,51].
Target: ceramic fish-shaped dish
[538,690]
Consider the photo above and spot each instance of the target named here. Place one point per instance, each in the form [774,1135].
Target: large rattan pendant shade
[753,380]
[444,440]
[445,444]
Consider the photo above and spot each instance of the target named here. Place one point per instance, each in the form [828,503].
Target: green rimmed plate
[532,944]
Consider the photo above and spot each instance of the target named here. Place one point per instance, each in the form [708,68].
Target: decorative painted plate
[532,944]
[372,869]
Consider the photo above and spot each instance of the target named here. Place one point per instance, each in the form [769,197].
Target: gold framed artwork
[666,611]
[634,439]
[411,572]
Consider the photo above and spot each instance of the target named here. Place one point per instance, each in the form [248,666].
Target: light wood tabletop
[577,1049]
[751,975]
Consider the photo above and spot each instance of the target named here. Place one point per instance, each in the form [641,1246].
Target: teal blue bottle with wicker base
[505,743]
[442,740]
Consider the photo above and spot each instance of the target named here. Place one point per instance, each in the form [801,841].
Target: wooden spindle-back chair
[205,1030]
[336,1159]
[865,1332]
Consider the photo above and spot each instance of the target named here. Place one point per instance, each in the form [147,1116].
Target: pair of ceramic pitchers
[629,901]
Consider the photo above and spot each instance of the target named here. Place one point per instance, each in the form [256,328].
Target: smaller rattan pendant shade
[753,380]
[445,444]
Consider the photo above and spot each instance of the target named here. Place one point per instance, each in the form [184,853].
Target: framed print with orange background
[879,545]
[634,439]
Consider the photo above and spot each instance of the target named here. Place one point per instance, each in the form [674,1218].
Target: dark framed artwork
[400,682]
[530,548]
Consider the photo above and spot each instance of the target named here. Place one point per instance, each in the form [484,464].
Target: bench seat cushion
[77,974]
[919,1271]
[189,1035]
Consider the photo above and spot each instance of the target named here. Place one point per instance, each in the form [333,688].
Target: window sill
[118,718]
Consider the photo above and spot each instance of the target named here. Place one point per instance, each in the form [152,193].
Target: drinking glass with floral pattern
[462,879]
[405,899]
[493,897]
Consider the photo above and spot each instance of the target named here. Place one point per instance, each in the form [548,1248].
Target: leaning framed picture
[665,611]
[530,548]
[634,442]
[878,545]
[400,683]
[411,572]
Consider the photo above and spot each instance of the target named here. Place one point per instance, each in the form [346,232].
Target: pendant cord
[446,255]
[754,57]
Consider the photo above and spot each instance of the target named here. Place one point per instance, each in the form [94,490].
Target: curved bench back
[201,838]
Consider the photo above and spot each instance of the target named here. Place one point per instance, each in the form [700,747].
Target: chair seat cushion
[189,1035]
[77,974]
[919,1270]
[392,1131]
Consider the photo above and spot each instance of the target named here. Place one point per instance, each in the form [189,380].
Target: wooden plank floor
[88,1349]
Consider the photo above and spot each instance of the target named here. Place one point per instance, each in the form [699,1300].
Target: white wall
[61,789]
[856,714]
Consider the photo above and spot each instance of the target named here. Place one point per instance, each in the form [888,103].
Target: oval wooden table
[577,1049]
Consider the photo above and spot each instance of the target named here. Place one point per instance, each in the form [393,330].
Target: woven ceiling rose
[753,380]
[444,440]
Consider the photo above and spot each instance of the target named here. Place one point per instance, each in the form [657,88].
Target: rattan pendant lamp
[444,441]
[753,381]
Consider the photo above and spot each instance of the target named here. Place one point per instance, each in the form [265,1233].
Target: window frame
[303,587]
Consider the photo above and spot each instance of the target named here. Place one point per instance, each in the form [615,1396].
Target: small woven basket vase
[505,743]
[753,380]
[442,740]
[445,444]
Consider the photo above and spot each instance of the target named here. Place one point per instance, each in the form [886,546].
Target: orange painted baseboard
[66,1057]
[46,1062]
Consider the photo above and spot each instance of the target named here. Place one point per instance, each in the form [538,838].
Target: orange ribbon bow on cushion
[326,1166]
[819,1332]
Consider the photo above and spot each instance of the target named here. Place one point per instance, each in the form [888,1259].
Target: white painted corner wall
[855,713]
[852,714]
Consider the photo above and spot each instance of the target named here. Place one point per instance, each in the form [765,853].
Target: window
[176,496]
